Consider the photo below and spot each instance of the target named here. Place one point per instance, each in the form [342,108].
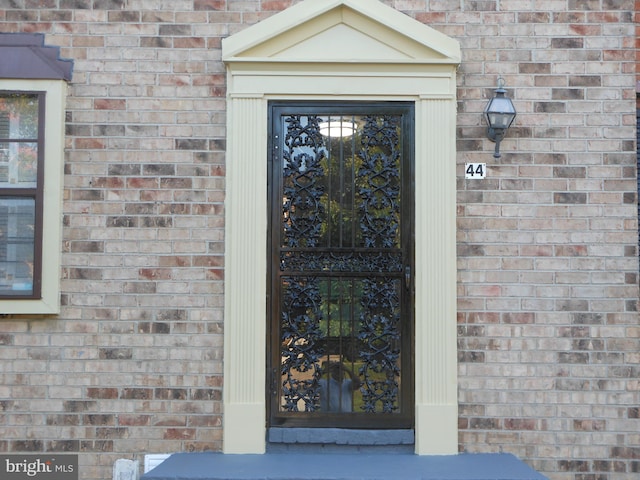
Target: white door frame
[264,63]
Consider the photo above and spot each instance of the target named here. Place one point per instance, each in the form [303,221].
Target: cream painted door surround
[351,50]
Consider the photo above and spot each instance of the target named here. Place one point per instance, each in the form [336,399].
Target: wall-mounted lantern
[499,114]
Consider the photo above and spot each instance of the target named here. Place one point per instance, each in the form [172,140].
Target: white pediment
[351,51]
[339,31]
[342,42]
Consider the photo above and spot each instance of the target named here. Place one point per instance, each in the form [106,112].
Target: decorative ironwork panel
[303,207]
[340,263]
[301,343]
[333,261]
[379,333]
[379,181]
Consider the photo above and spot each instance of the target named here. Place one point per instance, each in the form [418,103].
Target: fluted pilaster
[245,279]
[435,343]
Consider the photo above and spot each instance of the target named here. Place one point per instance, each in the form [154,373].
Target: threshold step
[336,466]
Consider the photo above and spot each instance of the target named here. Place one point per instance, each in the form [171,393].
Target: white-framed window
[32,118]
[31,159]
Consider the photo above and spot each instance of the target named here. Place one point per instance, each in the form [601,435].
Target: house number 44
[475,171]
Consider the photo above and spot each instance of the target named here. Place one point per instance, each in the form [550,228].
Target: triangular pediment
[338,31]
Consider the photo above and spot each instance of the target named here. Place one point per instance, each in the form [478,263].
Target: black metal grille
[341,258]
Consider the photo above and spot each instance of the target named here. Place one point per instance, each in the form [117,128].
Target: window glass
[20,194]
[17,242]
[19,165]
[18,140]
[19,116]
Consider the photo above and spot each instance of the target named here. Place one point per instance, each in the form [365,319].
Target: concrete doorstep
[351,466]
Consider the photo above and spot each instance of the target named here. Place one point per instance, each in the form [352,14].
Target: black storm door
[340,265]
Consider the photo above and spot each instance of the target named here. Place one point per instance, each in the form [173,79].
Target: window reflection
[17,221]
[20,152]
[18,140]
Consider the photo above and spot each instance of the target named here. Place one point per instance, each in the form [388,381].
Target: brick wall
[548,322]
[548,271]
[637,21]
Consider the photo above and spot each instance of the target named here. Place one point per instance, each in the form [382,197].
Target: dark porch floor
[336,466]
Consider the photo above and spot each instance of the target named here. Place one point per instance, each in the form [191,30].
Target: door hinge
[273,385]
[407,277]
[276,147]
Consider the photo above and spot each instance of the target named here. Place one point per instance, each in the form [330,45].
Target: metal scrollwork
[341,262]
[301,338]
[303,212]
[340,266]
[379,180]
[380,336]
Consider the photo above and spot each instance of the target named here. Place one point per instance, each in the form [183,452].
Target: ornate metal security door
[341,254]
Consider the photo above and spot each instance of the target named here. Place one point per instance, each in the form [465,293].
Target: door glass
[341,253]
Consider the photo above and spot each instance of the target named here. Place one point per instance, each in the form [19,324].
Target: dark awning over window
[24,55]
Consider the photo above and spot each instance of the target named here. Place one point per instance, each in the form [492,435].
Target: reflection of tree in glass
[18,122]
[22,110]
[362,185]
[27,162]
[340,163]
